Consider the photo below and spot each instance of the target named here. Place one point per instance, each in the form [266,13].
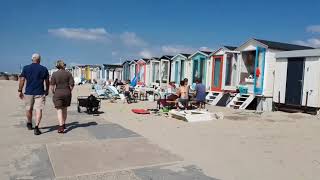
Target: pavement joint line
[94,140]
[76,141]
[51,162]
[125,169]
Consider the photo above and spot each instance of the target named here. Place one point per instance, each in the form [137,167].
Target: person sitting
[182,93]
[171,88]
[200,93]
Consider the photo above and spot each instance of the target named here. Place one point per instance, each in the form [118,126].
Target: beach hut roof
[226,48]
[126,61]
[112,66]
[181,54]
[276,45]
[205,53]
[299,53]
[231,48]
[168,57]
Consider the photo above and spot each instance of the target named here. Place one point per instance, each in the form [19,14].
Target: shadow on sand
[69,126]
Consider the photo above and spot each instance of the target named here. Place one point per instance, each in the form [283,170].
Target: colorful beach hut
[133,69]
[200,62]
[126,71]
[141,69]
[224,76]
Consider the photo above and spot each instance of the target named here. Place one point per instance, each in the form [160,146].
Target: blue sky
[103,31]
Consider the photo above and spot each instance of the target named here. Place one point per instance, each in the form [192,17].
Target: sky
[111,31]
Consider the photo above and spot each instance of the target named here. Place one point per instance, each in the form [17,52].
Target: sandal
[61,130]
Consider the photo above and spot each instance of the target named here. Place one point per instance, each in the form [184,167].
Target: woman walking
[62,84]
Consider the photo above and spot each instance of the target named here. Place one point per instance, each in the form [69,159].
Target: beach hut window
[228,70]
[155,70]
[176,72]
[247,72]
[195,70]
[165,71]
[182,76]
[217,67]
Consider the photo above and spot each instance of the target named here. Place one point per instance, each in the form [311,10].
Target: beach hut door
[217,73]
[176,72]
[259,70]
[294,84]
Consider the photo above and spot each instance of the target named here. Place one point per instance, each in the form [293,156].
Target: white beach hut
[296,85]
[180,67]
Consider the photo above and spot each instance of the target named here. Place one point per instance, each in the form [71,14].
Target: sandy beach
[243,146]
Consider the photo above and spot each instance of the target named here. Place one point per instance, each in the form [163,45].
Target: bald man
[35,93]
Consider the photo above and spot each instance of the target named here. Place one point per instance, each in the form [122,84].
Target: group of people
[185,95]
[37,80]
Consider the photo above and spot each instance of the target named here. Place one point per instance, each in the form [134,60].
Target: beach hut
[141,66]
[224,76]
[200,62]
[113,71]
[126,71]
[181,67]
[165,69]
[86,72]
[256,73]
[153,71]
[133,69]
[296,85]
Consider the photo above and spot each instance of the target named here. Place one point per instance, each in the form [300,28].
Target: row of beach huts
[259,74]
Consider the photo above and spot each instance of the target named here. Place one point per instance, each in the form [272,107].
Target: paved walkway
[92,148]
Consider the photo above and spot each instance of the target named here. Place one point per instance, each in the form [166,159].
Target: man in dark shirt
[35,94]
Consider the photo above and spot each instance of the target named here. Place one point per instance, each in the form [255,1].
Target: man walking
[35,94]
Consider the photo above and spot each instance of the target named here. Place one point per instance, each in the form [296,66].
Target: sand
[243,146]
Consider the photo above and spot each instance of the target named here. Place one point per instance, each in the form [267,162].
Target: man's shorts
[36,102]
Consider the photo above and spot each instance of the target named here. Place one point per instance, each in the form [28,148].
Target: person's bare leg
[29,116]
[38,120]
[60,116]
[65,114]
[38,117]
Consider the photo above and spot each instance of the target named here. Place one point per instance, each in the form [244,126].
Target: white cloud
[175,49]
[313,42]
[92,34]
[204,48]
[131,39]
[313,29]
[114,53]
[146,53]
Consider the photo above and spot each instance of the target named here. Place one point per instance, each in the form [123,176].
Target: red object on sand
[140,111]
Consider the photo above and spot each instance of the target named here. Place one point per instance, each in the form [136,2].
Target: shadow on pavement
[69,126]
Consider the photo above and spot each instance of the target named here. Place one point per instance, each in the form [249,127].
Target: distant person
[127,92]
[182,93]
[171,88]
[115,83]
[35,93]
[200,91]
[187,85]
[62,84]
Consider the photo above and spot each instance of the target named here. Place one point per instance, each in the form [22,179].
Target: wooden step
[238,102]
[235,106]
[242,98]
[244,95]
